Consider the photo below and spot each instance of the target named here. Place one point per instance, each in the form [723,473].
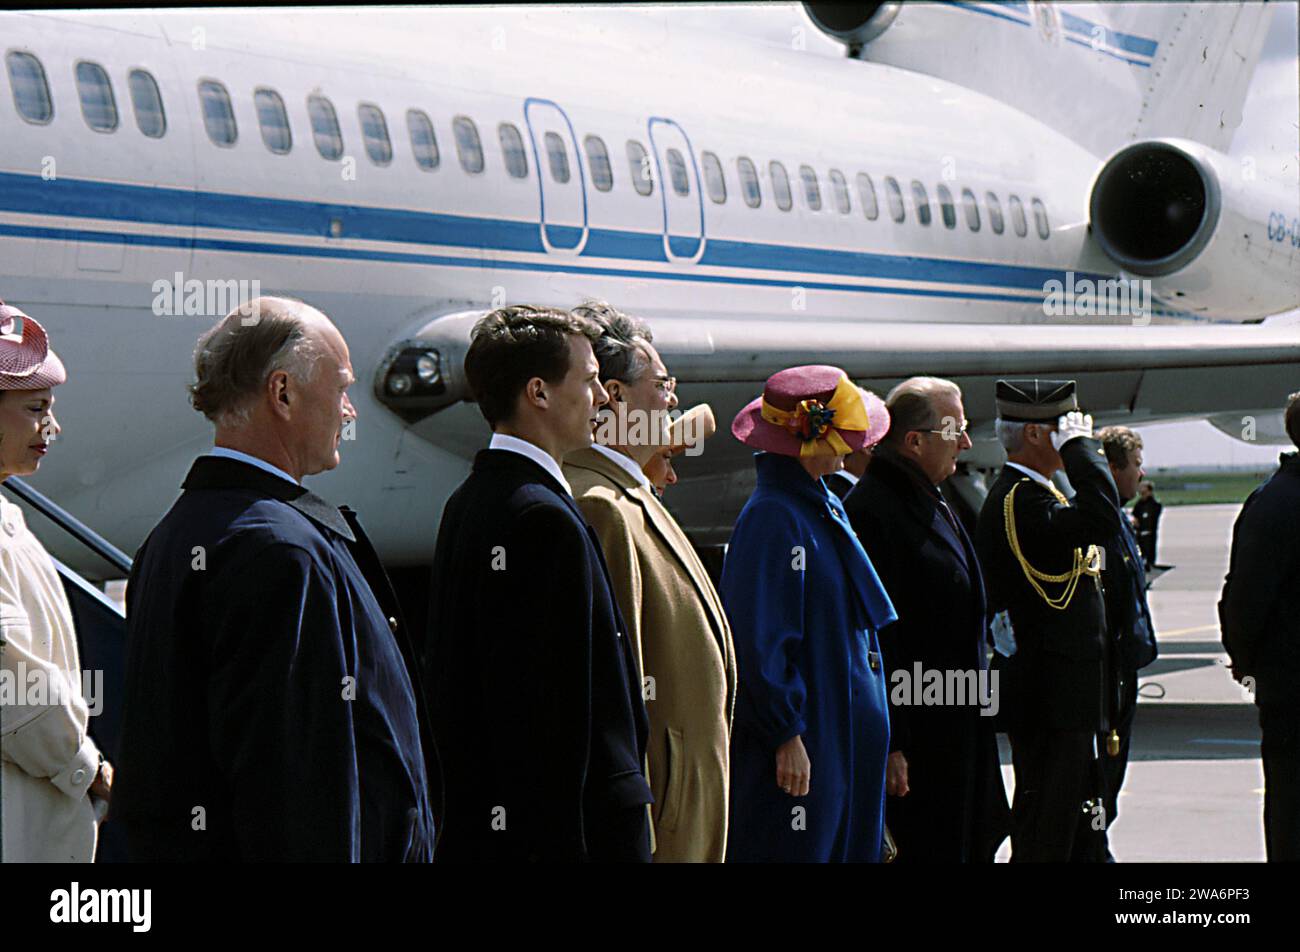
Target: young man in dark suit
[536,697]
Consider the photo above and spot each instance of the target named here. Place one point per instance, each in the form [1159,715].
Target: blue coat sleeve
[280,722]
[763,593]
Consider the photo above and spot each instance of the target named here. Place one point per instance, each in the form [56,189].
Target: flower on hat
[812,419]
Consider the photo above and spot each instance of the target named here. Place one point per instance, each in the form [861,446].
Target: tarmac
[1194,791]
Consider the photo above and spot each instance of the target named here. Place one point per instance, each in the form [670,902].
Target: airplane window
[273,120]
[780,186]
[1017,215]
[922,200]
[424,144]
[325,127]
[469,148]
[677,172]
[639,161]
[749,182]
[713,177]
[895,196]
[812,192]
[995,212]
[1040,218]
[98,107]
[31,91]
[972,209]
[602,172]
[512,146]
[374,130]
[558,157]
[945,207]
[147,102]
[867,194]
[218,114]
[843,203]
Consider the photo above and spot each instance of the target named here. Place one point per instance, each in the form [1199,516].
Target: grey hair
[234,358]
[1011,434]
[620,349]
[911,405]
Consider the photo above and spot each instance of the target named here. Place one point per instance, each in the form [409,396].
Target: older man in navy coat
[537,700]
[947,802]
[270,711]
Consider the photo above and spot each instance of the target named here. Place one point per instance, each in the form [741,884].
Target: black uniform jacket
[1057,677]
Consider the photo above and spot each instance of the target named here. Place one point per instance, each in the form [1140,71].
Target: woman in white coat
[53,774]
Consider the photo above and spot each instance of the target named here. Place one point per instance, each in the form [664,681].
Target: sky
[1270,132]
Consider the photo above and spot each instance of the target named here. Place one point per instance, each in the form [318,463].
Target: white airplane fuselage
[97,226]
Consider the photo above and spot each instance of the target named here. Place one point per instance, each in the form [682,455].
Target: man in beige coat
[676,620]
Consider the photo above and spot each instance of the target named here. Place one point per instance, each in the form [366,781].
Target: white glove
[1004,639]
[1072,424]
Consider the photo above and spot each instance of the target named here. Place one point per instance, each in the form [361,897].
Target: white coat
[47,756]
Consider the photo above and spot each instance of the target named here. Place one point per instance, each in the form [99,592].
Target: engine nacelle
[853,24]
[1209,237]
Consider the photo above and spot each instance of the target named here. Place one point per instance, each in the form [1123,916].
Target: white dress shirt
[513,444]
[623,460]
[252,461]
[1033,474]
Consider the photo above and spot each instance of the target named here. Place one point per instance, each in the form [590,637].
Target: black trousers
[1281,753]
[618,834]
[1058,803]
[1114,768]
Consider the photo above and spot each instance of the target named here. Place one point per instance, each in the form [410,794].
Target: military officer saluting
[1041,555]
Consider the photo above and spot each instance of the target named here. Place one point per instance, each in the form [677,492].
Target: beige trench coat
[683,643]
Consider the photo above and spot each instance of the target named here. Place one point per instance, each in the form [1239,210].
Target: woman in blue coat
[811,733]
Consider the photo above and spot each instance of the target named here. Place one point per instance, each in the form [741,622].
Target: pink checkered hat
[26,360]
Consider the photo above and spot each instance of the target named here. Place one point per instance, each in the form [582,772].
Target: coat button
[78,776]
[392,624]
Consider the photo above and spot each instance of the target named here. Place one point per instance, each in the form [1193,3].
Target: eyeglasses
[948,433]
[666,384]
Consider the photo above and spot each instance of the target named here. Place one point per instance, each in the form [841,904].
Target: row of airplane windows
[34,103]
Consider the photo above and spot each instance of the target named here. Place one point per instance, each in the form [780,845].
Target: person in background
[1261,633]
[1128,618]
[855,464]
[947,802]
[811,732]
[53,774]
[1146,511]
[689,430]
[675,620]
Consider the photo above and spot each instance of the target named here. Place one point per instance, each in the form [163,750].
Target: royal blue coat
[805,603]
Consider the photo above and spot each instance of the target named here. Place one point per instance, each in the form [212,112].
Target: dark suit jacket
[1057,677]
[957,809]
[536,698]
[271,712]
[1261,626]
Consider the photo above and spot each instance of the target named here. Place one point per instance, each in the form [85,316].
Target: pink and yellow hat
[814,410]
[26,360]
